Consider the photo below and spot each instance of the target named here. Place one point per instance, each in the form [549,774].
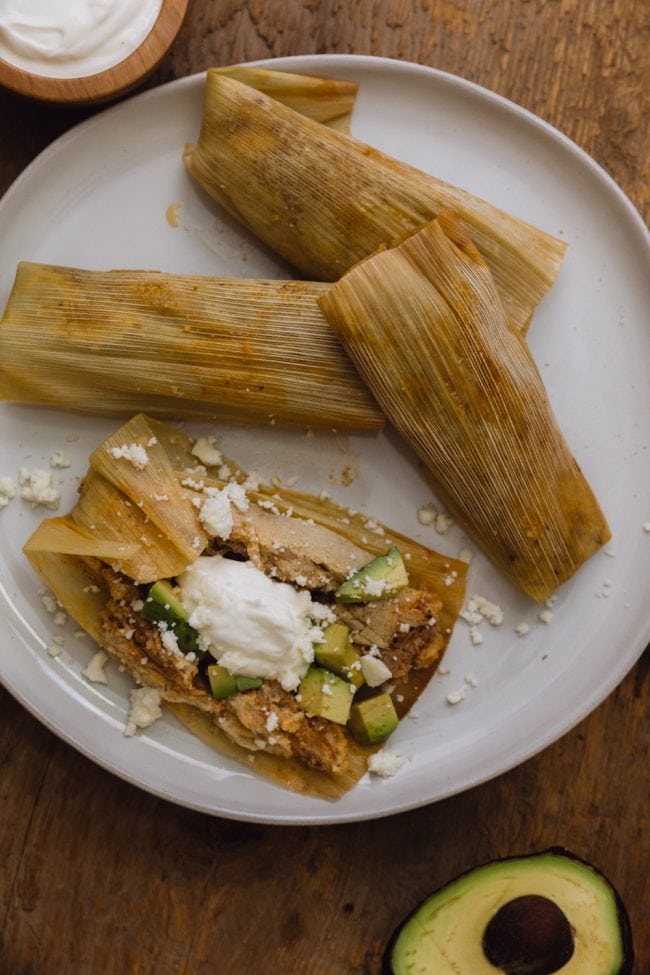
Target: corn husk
[325,201]
[325,100]
[424,325]
[80,588]
[237,350]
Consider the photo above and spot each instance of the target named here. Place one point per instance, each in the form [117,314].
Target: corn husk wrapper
[325,201]
[237,350]
[324,100]
[116,500]
[424,325]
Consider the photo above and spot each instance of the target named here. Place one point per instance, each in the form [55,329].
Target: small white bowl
[106,84]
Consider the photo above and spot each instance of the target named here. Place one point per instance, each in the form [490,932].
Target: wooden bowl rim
[110,82]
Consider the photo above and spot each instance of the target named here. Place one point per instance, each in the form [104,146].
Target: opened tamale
[142,498]
[425,327]
[325,201]
[238,350]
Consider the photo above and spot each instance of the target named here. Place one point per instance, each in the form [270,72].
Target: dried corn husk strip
[324,201]
[64,535]
[113,516]
[325,100]
[424,326]
[151,486]
[234,349]
[74,585]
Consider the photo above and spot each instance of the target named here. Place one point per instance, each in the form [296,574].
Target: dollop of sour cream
[73,38]
[249,623]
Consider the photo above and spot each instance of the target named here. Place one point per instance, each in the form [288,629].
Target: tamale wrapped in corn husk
[109,523]
[325,201]
[238,350]
[424,325]
[325,100]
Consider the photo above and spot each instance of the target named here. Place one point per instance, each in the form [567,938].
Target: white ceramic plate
[98,197]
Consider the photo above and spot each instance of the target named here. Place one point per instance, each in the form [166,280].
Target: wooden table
[98,877]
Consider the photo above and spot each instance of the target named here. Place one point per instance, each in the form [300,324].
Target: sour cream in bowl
[83,50]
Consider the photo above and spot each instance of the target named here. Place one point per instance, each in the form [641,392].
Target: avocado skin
[627,966]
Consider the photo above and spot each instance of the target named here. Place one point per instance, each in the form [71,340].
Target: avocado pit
[529,935]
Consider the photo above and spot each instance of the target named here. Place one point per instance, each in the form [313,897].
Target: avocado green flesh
[388,569]
[373,720]
[161,605]
[337,654]
[444,935]
[223,683]
[326,695]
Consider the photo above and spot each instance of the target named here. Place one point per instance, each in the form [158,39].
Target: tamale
[326,100]
[238,350]
[325,201]
[84,581]
[424,325]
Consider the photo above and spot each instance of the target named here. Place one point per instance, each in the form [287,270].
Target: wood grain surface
[98,877]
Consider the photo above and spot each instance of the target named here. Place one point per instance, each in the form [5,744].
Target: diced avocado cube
[162,605]
[373,720]
[187,638]
[326,695]
[382,577]
[245,683]
[222,682]
[337,654]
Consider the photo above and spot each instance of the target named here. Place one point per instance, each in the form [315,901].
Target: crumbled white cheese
[375,671]
[475,636]
[374,587]
[301,581]
[466,555]
[59,459]
[169,641]
[443,523]
[385,762]
[272,721]
[56,647]
[521,629]
[205,450]
[404,627]
[427,514]
[145,709]
[252,482]
[455,697]
[36,487]
[471,680]
[49,602]
[133,452]
[95,670]
[215,513]
[190,482]
[545,616]
[60,618]
[7,491]
[646,526]
[480,608]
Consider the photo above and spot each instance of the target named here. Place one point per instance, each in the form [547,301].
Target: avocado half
[530,915]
